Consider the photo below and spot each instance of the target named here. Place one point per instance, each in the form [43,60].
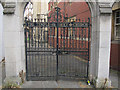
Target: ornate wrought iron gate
[56,45]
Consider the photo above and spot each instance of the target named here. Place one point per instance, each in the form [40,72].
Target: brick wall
[74,10]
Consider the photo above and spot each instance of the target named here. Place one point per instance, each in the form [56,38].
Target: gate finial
[57,9]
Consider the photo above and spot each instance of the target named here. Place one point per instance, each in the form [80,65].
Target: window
[117,24]
[55,3]
[70,2]
[71,31]
[29,11]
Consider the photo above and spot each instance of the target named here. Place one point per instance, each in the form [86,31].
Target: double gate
[56,47]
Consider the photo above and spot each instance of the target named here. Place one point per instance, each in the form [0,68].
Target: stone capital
[9,7]
[105,8]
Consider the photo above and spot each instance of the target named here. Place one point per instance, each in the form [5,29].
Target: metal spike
[35,19]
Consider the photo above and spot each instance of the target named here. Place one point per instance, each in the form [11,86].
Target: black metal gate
[56,46]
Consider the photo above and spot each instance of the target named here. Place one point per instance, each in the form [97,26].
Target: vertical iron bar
[79,40]
[64,38]
[82,34]
[41,35]
[35,34]
[57,42]
[67,40]
[26,47]
[88,45]
[32,35]
[47,48]
[29,35]
[60,62]
[32,47]
[38,48]
[38,33]
[61,38]
[70,37]
[45,70]
[85,35]
[31,43]
[76,37]
[53,33]
[29,48]
[35,59]
[41,65]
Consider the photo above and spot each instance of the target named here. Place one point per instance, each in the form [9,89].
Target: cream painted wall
[116,6]
[40,7]
[36,9]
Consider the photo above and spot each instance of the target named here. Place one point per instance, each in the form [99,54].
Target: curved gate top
[57,46]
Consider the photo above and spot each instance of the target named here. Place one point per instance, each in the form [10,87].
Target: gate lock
[60,52]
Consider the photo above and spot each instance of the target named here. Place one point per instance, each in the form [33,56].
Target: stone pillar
[14,38]
[1,34]
[100,45]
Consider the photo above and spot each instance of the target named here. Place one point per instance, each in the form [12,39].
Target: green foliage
[11,85]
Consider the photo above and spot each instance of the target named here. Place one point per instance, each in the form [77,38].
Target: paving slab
[56,84]
[33,84]
[115,78]
[68,84]
[50,84]
[83,84]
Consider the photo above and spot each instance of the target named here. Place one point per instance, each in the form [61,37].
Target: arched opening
[58,43]
[28,11]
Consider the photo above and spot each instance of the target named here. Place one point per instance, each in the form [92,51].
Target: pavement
[56,84]
[0,75]
[114,77]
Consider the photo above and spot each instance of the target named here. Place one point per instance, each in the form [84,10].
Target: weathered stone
[9,11]
[13,23]
[103,83]
[9,7]
[105,8]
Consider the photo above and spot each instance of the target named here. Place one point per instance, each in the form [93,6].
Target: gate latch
[62,52]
